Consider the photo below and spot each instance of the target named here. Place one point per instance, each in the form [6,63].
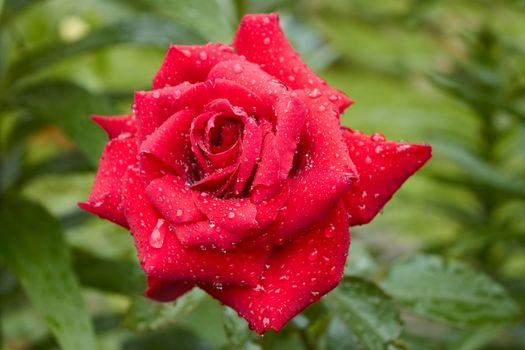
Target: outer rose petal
[163,257]
[152,108]
[190,63]
[383,166]
[298,275]
[116,125]
[260,39]
[321,183]
[105,197]
[162,290]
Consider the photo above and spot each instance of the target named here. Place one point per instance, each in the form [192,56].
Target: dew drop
[186,53]
[98,203]
[156,94]
[179,212]
[333,97]
[237,68]
[315,93]
[377,137]
[368,160]
[217,285]
[266,41]
[203,56]
[157,235]
[330,232]
[313,255]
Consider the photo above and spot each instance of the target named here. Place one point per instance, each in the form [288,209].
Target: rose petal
[383,166]
[260,39]
[152,108]
[204,234]
[297,275]
[196,136]
[237,215]
[218,182]
[190,63]
[162,290]
[170,143]
[268,210]
[250,151]
[319,184]
[163,257]
[105,197]
[116,125]
[173,199]
[289,113]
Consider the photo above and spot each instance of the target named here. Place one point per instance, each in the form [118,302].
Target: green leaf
[475,339]
[448,290]
[108,275]
[147,315]
[367,311]
[145,31]
[68,106]
[238,335]
[33,248]
[479,171]
[167,339]
[11,8]
[215,20]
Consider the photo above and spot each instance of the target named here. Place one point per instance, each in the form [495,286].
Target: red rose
[234,175]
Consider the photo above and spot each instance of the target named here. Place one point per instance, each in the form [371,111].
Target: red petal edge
[298,274]
[260,39]
[383,166]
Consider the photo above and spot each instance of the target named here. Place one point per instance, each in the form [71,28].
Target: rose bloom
[235,175]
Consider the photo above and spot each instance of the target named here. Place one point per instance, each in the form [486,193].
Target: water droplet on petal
[315,93]
[231,214]
[237,68]
[333,97]
[203,56]
[98,203]
[330,231]
[266,41]
[368,160]
[377,137]
[179,212]
[313,255]
[157,235]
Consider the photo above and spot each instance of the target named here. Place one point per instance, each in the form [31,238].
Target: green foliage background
[442,268]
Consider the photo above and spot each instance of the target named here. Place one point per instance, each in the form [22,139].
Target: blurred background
[443,267]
